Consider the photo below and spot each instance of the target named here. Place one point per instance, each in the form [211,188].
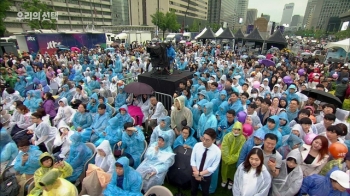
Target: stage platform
[165,83]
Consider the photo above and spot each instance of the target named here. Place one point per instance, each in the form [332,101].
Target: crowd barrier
[166,99]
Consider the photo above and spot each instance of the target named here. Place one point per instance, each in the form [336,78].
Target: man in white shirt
[205,160]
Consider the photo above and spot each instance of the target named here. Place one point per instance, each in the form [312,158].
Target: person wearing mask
[159,158]
[334,183]
[230,149]
[205,159]
[47,163]
[186,138]
[53,184]
[181,115]
[125,180]
[132,144]
[290,177]
[252,176]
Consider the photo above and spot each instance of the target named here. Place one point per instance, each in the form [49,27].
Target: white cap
[266,79]
[341,177]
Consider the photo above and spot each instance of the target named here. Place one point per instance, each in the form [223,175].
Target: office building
[252,14]
[214,11]
[287,14]
[297,21]
[227,13]
[308,12]
[72,15]
[120,12]
[323,10]
[241,7]
[186,11]
[267,17]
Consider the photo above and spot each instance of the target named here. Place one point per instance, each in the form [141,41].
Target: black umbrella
[139,88]
[322,96]
[180,173]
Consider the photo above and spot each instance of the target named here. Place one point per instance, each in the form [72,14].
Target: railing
[166,99]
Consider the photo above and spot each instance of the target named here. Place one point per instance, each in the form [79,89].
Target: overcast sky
[274,8]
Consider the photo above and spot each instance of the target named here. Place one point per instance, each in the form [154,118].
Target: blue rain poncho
[218,101]
[45,88]
[194,92]
[40,75]
[197,112]
[181,65]
[222,110]
[320,185]
[93,104]
[290,95]
[132,181]
[8,148]
[20,86]
[98,125]
[157,161]
[274,130]
[121,98]
[195,80]
[118,65]
[249,145]
[113,132]
[288,145]
[93,84]
[190,141]
[285,129]
[166,130]
[66,93]
[288,184]
[119,120]
[32,163]
[134,145]
[236,106]
[78,155]
[35,100]
[29,71]
[71,74]
[207,120]
[82,120]
[77,77]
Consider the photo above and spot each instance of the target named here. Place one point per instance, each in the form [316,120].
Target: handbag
[10,187]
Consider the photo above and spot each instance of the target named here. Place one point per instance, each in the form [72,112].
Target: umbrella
[75,49]
[322,96]
[267,62]
[61,46]
[139,88]
[180,173]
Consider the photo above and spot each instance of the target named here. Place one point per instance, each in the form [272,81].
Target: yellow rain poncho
[230,149]
[333,163]
[64,172]
[56,186]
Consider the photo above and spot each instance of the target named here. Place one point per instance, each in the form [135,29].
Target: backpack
[10,187]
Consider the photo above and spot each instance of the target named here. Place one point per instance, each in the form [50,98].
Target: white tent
[345,44]
[201,33]
[219,32]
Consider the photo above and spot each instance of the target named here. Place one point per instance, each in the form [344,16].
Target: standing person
[205,160]
[252,176]
[340,89]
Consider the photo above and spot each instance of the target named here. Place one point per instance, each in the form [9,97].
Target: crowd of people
[67,121]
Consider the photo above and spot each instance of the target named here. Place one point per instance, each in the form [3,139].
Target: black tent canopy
[208,34]
[226,34]
[254,36]
[239,34]
[277,37]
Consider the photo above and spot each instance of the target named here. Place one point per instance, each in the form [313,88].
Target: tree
[4,6]
[343,34]
[194,27]
[165,21]
[37,6]
[214,26]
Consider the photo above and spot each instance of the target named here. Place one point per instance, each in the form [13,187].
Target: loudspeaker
[158,54]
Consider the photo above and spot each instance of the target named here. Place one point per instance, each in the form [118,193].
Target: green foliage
[165,21]
[37,6]
[4,6]
[195,26]
[214,26]
[343,34]
[311,33]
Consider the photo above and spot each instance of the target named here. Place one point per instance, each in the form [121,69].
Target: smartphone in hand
[272,159]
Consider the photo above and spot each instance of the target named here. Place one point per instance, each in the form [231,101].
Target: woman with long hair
[252,177]
[314,156]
